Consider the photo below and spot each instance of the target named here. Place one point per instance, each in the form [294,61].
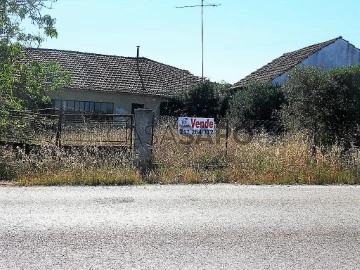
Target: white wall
[122,102]
[338,54]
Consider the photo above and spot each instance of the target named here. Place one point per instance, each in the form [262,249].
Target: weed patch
[262,160]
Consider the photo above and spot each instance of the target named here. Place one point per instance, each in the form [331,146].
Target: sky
[240,36]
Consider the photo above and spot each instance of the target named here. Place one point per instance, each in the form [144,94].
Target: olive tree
[255,104]
[324,103]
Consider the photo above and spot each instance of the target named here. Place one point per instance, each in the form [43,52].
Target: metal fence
[166,130]
[100,129]
[28,127]
[224,124]
[59,128]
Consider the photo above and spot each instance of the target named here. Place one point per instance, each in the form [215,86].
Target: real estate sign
[196,126]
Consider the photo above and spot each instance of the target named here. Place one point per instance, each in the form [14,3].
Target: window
[84,106]
[87,106]
[97,107]
[91,107]
[64,104]
[77,106]
[70,105]
[107,107]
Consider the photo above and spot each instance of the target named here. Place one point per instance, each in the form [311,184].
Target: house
[333,53]
[113,84]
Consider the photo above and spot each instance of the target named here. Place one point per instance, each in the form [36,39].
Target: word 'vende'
[196,126]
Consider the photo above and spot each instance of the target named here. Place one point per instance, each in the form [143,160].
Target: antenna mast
[202,31]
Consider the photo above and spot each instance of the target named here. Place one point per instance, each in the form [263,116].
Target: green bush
[324,103]
[253,103]
[203,100]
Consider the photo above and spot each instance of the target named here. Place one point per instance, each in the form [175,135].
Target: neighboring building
[113,84]
[329,54]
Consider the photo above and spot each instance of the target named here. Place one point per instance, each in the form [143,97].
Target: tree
[206,99]
[255,103]
[15,13]
[26,84]
[223,93]
[323,103]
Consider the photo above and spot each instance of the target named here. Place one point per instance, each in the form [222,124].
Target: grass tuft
[85,178]
[261,159]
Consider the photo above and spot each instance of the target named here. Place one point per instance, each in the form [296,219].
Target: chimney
[138,51]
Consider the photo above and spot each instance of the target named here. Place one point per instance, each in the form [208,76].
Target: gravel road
[180,227]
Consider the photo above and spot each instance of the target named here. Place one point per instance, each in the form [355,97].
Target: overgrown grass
[80,166]
[86,178]
[262,159]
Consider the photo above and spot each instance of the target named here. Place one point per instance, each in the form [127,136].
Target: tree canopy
[208,99]
[15,14]
[324,103]
[255,103]
[25,83]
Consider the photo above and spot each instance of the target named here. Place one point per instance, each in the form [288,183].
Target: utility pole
[202,31]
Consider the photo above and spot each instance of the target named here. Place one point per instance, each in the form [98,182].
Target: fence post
[226,137]
[131,130]
[144,119]
[58,131]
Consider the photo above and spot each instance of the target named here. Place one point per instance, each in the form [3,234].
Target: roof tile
[117,73]
[282,64]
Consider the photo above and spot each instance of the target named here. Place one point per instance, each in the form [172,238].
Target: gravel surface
[180,227]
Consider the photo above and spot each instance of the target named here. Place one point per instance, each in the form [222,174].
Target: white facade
[122,102]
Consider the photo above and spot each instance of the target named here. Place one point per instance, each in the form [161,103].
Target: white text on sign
[196,126]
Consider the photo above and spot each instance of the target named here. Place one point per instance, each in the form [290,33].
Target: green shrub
[253,103]
[206,99]
[323,103]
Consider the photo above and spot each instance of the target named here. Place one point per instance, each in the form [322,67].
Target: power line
[202,30]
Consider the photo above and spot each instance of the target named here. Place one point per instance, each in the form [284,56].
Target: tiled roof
[110,73]
[282,64]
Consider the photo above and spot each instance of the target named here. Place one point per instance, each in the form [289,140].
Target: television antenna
[202,5]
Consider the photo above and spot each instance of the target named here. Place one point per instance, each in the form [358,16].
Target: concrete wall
[122,102]
[338,54]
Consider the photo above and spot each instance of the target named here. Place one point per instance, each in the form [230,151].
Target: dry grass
[88,177]
[80,166]
[258,160]
[83,135]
